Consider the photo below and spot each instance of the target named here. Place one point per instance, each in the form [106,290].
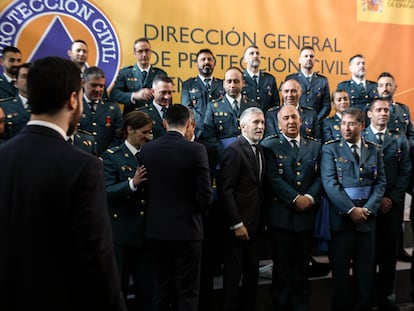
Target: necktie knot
[207,82]
[256,79]
[355,152]
[362,86]
[144,75]
[379,137]
[295,145]
[236,107]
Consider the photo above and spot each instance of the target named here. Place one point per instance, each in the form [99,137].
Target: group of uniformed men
[361,172]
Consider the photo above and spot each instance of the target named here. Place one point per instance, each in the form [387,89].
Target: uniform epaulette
[84,132]
[113,149]
[373,143]
[306,107]
[310,137]
[7,99]
[143,107]
[331,141]
[274,108]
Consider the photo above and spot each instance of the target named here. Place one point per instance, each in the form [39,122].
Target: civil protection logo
[42,28]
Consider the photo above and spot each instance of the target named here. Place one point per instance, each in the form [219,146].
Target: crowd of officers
[330,165]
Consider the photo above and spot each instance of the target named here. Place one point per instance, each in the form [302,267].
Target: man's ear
[73,101]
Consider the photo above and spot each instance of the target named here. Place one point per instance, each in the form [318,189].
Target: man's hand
[144,94]
[302,203]
[241,233]
[359,215]
[386,205]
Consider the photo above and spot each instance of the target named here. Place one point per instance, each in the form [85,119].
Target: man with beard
[315,87]
[360,90]
[259,85]
[54,226]
[400,116]
[133,84]
[11,59]
[200,90]
[102,118]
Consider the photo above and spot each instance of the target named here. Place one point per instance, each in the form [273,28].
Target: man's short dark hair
[387,99]
[78,41]
[50,83]
[25,65]
[161,78]
[386,74]
[9,49]
[205,51]
[143,39]
[177,115]
[94,72]
[307,47]
[355,112]
[355,56]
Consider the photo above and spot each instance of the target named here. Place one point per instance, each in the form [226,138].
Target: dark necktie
[295,146]
[355,153]
[362,87]
[236,108]
[309,79]
[207,82]
[163,111]
[256,80]
[92,107]
[379,137]
[256,152]
[144,75]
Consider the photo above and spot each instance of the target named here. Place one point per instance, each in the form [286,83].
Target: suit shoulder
[267,75]
[126,68]
[321,76]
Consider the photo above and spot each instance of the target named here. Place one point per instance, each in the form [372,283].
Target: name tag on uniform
[358,193]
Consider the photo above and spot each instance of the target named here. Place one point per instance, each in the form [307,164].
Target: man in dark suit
[294,187]
[352,172]
[259,86]
[179,193]
[133,84]
[241,196]
[397,164]
[360,90]
[197,92]
[162,90]
[101,117]
[315,87]
[11,59]
[55,234]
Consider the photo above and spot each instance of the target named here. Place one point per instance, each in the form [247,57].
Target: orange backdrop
[381,30]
